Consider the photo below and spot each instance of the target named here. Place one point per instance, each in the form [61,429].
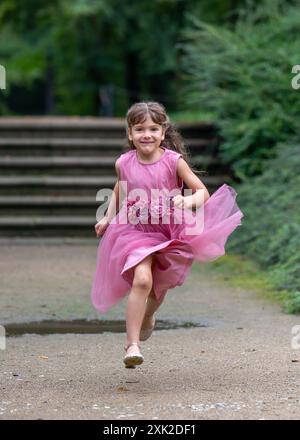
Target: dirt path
[239,366]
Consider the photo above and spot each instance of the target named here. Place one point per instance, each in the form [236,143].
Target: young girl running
[148,246]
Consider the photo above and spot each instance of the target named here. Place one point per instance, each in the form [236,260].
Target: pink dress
[129,237]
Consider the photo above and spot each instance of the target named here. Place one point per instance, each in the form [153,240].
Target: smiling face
[146,136]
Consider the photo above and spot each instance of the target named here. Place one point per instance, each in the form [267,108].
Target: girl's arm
[113,206]
[194,183]
[102,225]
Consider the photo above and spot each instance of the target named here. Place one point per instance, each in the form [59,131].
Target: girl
[146,258]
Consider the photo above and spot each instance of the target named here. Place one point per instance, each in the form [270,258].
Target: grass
[240,271]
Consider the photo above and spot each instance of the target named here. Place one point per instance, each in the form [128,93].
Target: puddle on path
[85,326]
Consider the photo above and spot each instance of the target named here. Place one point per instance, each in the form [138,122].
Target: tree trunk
[132,77]
[49,92]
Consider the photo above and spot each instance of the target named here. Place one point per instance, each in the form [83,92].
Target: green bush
[271,225]
[242,75]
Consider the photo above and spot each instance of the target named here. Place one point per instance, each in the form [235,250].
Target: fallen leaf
[122,389]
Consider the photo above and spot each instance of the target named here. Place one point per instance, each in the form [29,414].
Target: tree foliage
[71,48]
[271,225]
[75,47]
[242,76]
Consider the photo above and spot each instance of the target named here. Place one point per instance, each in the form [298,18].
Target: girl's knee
[143,275]
[143,283]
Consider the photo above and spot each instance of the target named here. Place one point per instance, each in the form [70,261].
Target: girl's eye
[153,129]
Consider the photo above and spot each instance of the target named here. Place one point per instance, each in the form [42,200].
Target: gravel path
[239,365]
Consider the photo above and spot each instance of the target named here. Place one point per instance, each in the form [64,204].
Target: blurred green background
[60,55]
[228,62]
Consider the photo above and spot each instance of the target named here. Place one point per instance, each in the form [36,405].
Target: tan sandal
[145,333]
[131,360]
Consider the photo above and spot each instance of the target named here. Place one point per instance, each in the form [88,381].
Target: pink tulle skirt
[186,236]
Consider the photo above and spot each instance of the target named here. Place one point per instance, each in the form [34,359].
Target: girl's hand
[183,202]
[101,226]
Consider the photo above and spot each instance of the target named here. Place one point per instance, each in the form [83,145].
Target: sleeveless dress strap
[174,157]
[120,162]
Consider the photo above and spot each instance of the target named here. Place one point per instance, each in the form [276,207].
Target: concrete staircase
[52,168]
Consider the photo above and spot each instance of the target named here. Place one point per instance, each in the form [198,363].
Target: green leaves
[271,227]
[87,44]
[242,75]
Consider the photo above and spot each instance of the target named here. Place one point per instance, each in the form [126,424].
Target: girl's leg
[152,305]
[136,305]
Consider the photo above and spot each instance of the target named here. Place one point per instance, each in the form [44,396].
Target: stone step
[32,205]
[47,226]
[60,142]
[48,241]
[71,185]
[57,181]
[70,161]
[38,226]
[48,205]
[55,165]
[58,122]
[47,201]
[85,127]
[61,146]
[84,146]
[31,221]
[54,185]
[49,127]
[52,168]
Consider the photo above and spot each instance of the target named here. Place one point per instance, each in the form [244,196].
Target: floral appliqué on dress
[142,211]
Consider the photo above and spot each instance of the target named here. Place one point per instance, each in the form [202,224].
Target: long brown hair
[138,113]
